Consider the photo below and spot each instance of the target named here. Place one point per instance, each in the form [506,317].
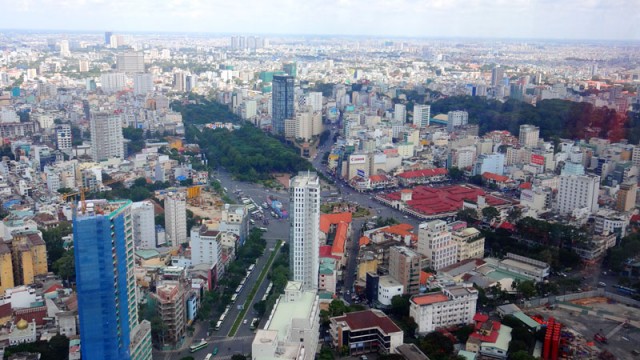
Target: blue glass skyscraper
[282,102]
[107,306]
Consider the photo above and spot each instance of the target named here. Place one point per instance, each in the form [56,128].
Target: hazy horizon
[449,19]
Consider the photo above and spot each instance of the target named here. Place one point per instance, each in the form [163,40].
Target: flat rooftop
[388,281]
[429,299]
[287,311]
[521,265]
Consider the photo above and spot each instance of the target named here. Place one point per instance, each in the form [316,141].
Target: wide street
[276,229]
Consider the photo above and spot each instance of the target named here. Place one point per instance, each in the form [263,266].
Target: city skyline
[570,20]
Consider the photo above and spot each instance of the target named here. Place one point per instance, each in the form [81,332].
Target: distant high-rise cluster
[248,42]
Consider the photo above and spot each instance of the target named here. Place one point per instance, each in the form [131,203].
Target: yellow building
[29,255]
[366,266]
[6,268]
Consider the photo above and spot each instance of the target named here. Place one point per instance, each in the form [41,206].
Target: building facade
[454,305]
[144,225]
[436,244]
[175,218]
[365,331]
[304,191]
[282,101]
[106,136]
[577,192]
[106,287]
[405,266]
[421,115]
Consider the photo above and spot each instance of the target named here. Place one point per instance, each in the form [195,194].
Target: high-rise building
[144,224]
[496,75]
[107,37]
[626,197]
[470,243]
[105,283]
[290,69]
[175,218]
[180,81]
[282,102]
[436,244]
[64,48]
[142,83]
[314,99]
[106,136]
[112,82]
[83,65]
[529,135]
[405,266]
[577,192]
[400,113]
[457,118]
[421,115]
[304,191]
[63,137]
[130,62]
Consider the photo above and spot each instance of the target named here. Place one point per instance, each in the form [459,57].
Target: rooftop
[502,341]
[429,299]
[367,319]
[287,311]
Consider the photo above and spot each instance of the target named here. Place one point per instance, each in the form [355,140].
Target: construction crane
[82,191]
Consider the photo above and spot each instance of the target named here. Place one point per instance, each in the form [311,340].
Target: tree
[65,266]
[456,174]
[527,288]
[521,355]
[514,214]
[260,307]
[467,214]
[326,353]
[490,213]
[53,241]
[59,347]
[436,346]
[400,305]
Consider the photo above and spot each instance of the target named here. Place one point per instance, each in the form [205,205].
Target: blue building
[107,304]
[282,102]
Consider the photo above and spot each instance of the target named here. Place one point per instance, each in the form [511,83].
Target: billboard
[537,159]
[361,173]
[357,159]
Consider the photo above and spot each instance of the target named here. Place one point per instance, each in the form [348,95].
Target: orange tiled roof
[364,240]
[340,239]
[495,177]
[327,219]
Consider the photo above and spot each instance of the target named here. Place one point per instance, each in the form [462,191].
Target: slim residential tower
[304,190]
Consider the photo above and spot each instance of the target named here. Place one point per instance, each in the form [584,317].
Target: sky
[539,19]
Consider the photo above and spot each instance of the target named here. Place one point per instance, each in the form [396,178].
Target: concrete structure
[365,331]
[533,269]
[142,84]
[492,163]
[29,256]
[457,118]
[292,329]
[528,136]
[388,287]
[577,192]
[400,113]
[144,224]
[235,219]
[130,62]
[107,300]
[282,102]
[470,243]
[112,82]
[626,197]
[421,115]
[205,246]
[106,136]
[454,305]
[328,274]
[436,244]
[405,266]
[170,304]
[175,218]
[304,191]
[63,137]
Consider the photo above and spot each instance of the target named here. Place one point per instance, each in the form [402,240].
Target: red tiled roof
[378,178]
[399,229]
[424,276]
[340,240]
[495,177]
[525,185]
[635,218]
[446,199]
[507,226]
[423,173]
[54,287]
[429,299]
[367,319]
[325,252]
[327,219]
[364,240]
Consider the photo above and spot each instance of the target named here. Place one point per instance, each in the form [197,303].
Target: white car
[245,321]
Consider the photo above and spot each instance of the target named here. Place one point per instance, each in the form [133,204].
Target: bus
[238,289]
[218,324]
[199,346]
[254,323]
[625,290]
[243,282]
[208,357]
[252,266]
[233,298]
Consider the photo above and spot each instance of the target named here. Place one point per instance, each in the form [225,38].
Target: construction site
[204,203]
[595,326]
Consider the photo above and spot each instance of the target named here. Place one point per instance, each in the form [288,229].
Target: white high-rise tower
[175,218]
[304,191]
[421,115]
[106,136]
